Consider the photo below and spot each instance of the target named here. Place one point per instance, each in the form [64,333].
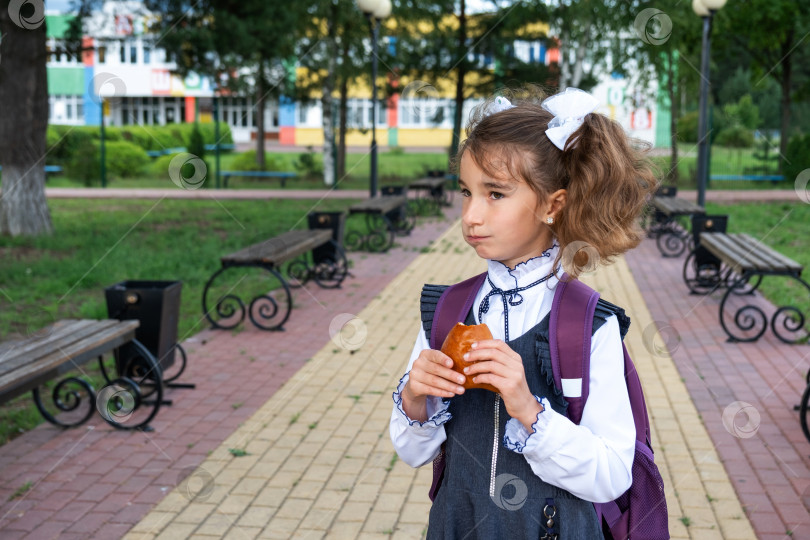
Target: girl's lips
[471,238]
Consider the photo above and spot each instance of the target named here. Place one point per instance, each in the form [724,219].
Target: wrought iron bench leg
[261,308]
[750,317]
[140,385]
[803,411]
[671,241]
[330,272]
[67,400]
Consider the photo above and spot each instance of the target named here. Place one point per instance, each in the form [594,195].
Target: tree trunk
[784,128]
[326,102]
[579,61]
[23,126]
[461,71]
[564,78]
[259,112]
[673,119]
[344,104]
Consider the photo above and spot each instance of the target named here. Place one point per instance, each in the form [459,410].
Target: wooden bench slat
[786,261]
[54,331]
[281,248]
[63,332]
[742,253]
[427,183]
[381,205]
[756,258]
[746,254]
[675,205]
[722,246]
[64,359]
[40,348]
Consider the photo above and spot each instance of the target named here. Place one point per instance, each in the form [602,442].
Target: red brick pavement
[768,460]
[95,481]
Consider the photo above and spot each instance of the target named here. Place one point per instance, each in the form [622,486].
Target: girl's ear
[556,201]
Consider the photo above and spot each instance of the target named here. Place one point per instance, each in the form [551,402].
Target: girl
[539,181]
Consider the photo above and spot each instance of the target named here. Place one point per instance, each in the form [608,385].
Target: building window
[123,53]
[147,54]
[102,54]
[133,54]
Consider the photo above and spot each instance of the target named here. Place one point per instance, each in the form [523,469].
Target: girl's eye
[495,195]
[465,192]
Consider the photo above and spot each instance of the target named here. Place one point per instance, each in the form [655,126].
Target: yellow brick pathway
[319,462]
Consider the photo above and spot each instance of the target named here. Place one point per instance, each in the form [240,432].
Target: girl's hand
[431,375]
[497,364]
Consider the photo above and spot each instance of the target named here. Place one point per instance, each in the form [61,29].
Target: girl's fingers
[488,366]
[510,358]
[432,385]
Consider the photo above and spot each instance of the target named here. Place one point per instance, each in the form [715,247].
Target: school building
[123,64]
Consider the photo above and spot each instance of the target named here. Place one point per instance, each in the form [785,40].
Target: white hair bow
[569,109]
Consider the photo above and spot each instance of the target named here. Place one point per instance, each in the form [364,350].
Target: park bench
[432,193]
[49,169]
[166,151]
[382,219]
[774,178]
[26,364]
[283,176]
[670,234]
[316,253]
[704,272]
[748,261]
[178,149]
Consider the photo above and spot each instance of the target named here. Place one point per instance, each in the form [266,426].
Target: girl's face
[502,218]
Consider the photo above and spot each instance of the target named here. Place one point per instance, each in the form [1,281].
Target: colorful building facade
[129,79]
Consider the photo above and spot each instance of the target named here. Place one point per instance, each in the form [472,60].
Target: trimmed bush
[64,141]
[797,157]
[688,127]
[735,136]
[123,159]
[246,161]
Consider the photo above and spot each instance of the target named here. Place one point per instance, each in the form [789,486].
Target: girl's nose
[472,212]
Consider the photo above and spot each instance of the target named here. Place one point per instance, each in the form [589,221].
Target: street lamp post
[704,9]
[375,11]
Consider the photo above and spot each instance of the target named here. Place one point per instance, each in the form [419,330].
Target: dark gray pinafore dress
[490,492]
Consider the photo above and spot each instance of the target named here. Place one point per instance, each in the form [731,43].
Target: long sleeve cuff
[517,438]
[436,408]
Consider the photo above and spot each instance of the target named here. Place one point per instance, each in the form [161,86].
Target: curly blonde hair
[606,174]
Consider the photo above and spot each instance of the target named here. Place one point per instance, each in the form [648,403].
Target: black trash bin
[336,221]
[156,304]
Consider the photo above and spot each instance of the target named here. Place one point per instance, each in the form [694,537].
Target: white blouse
[592,460]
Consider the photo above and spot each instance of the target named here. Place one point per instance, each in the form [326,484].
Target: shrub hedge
[65,141]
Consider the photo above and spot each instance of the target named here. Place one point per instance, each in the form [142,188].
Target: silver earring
[550,220]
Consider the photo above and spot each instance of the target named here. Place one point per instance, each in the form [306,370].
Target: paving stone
[283,453]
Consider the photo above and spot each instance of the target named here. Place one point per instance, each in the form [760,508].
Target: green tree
[23,119]
[773,33]
[332,51]
[662,44]
[441,47]
[243,45]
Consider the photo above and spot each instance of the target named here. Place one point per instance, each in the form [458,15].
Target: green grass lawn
[724,161]
[783,226]
[98,243]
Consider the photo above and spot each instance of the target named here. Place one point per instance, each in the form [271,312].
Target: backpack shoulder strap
[452,306]
[427,305]
[572,315]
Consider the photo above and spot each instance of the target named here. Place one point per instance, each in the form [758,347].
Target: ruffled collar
[525,272]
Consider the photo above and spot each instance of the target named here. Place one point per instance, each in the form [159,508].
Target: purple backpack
[641,512]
